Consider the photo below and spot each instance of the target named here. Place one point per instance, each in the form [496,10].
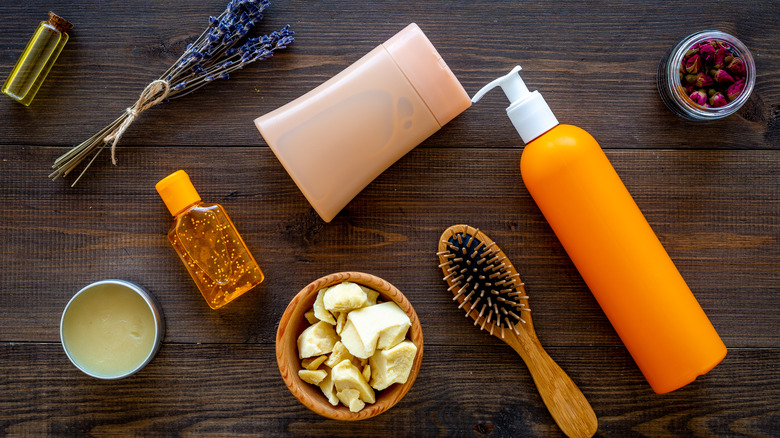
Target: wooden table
[711,191]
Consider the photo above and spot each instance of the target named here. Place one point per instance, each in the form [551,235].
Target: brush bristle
[482,279]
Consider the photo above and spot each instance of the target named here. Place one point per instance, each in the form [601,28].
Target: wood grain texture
[711,192]
[209,389]
[594,64]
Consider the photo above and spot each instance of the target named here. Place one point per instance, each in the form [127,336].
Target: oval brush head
[483,280]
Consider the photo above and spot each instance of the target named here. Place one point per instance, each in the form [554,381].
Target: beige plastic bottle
[335,139]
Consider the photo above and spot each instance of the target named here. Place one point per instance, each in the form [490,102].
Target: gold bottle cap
[59,23]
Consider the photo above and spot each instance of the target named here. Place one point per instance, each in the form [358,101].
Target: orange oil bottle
[611,244]
[207,242]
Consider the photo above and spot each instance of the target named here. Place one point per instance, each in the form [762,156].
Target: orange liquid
[620,258]
[214,254]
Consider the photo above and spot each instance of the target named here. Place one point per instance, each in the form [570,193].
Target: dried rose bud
[707,53]
[735,89]
[693,65]
[720,56]
[728,59]
[736,67]
[711,92]
[717,100]
[723,77]
[692,51]
[690,88]
[699,97]
[701,80]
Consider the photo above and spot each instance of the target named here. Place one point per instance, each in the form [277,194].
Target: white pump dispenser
[528,111]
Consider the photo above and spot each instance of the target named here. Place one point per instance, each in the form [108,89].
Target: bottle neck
[531,117]
[187,208]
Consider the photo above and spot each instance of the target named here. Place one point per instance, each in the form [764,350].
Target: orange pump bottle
[610,242]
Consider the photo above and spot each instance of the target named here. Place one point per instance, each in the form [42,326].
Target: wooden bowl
[292,325]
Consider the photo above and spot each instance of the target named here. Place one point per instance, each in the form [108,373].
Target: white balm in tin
[111,329]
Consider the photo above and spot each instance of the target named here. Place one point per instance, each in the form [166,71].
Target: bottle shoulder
[557,149]
[565,133]
[200,211]
[200,208]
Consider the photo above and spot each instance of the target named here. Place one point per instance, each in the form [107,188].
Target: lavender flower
[214,54]
[220,50]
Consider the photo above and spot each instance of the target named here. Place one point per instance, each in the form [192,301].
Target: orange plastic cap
[428,73]
[177,191]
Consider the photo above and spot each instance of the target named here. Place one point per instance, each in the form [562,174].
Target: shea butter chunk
[339,354]
[316,340]
[367,372]
[351,399]
[392,365]
[371,294]
[347,376]
[319,309]
[344,297]
[312,363]
[326,386]
[393,335]
[384,324]
[311,317]
[312,376]
[340,321]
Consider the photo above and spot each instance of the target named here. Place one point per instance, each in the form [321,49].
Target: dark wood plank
[710,191]
[596,67]
[715,211]
[236,390]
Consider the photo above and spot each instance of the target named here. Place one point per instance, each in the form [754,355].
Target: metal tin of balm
[111,329]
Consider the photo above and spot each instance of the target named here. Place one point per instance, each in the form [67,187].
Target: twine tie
[159,88]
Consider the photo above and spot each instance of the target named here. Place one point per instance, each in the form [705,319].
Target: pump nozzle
[511,83]
[528,111]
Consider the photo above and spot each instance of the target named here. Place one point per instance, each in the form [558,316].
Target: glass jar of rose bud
[706,76]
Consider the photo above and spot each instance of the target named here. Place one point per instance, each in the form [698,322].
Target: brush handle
[566,403]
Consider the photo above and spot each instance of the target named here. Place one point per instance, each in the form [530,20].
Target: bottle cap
[177,191]
[59,23]
[528,111]
[428,73]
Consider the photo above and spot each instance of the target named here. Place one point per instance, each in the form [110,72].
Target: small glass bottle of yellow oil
[208,243]
[37,59]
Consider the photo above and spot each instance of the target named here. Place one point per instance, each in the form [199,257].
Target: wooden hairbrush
[488,287]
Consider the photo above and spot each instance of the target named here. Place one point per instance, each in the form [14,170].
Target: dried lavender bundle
[214,55]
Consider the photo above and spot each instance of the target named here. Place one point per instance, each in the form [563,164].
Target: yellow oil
[214,253]
[35,63]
